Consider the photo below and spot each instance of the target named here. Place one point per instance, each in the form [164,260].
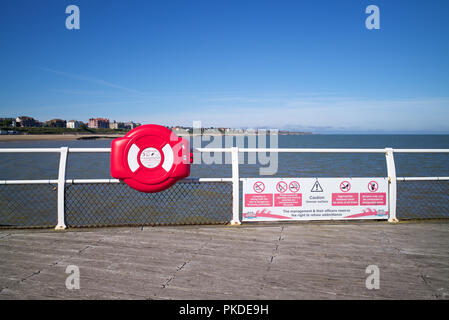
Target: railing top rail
[48,181]
[421,150]
[89,150]
[103,181]
[312,150]
[29,150]
[422,178]
[279,150]
[324,150]
[100,181]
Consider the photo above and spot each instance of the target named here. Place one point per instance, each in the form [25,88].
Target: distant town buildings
[131,125]
[93,123]
[180,129]
[96,123]
[7,122]
[73,124]
[7,125]
[116,125]
[104,123]
[25,121]
[55,123]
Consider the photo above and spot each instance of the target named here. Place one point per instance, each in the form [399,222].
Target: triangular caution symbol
[317,187]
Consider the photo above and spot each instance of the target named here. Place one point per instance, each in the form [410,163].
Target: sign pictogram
[345,186]
[317,187]
[281,186]
[373,186]
[259,187]
[294,186]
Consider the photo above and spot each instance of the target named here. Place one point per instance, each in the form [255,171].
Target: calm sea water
[89,166]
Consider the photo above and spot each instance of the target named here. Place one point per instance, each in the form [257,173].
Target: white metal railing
[64,151]
[422,178]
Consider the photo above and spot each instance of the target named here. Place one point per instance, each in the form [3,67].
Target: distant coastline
[94,136]
[37,137]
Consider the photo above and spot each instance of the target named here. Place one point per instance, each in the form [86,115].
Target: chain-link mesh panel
[423,199]
[28,205]
[184,203]
[118,204]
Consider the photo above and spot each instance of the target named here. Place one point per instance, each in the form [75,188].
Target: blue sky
[309,65]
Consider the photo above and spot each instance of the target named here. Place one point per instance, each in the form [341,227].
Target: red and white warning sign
[314,198]
[287,200]
[345,186]
[373,186]
[259,186]
[294,186]
[281,187]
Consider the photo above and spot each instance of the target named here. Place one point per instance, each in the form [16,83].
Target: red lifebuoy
[150,158]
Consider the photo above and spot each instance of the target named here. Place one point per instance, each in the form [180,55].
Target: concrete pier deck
[289,261]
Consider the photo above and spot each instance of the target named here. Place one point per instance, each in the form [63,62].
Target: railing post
[235,187]
[392,186]
[61,188]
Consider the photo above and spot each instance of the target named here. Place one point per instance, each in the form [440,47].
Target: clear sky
[310,65]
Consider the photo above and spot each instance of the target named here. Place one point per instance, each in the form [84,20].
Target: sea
[96,165]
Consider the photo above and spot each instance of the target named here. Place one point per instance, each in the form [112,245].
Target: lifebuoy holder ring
[150,158]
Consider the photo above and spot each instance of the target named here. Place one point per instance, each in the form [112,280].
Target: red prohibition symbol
[281,186]
[345,186]
[259,187]
[373,186]
[294,186]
